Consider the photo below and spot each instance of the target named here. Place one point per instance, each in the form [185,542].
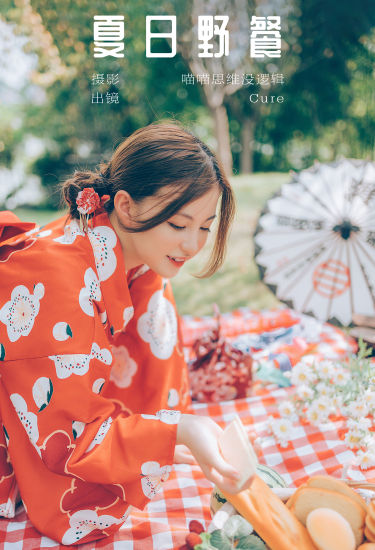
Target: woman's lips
[177,262]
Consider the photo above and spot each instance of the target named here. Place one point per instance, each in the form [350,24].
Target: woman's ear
[124,206]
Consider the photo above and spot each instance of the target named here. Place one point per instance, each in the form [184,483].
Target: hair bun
[78,182]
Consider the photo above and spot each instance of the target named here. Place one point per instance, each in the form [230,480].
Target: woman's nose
[190,245]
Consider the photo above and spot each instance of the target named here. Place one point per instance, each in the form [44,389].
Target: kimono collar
[111,270]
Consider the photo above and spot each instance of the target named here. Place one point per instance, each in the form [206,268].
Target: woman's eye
[178,227]
[206,229]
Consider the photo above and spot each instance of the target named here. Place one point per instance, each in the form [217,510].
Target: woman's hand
[200,434]
[182,455]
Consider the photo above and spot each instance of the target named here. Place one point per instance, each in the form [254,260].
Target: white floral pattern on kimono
[85,521]
[158,326]
[71,231]
[77,428]
[91,291]
[8,509]
[168,417]
[42,392]
[43,234]
[103,240]
[153,476]
[173,398]
[123,368]
[127,315]
[78,363]
[98,385]
[101,433]
[61,331]
[20,312]
[28,419]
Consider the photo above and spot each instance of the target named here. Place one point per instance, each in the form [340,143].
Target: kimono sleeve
[8,484]
[78,432]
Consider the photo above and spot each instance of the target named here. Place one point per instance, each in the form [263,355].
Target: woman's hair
[166,160]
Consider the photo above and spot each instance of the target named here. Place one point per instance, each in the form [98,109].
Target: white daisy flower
[324,389]
[357,409]
[326,369]
[287,409]
[366,459]
[304,392]
[361,424]
[319,411]
[340,377]
[354,438]
[323,403]
[282,429]
[369,398]
[302,374]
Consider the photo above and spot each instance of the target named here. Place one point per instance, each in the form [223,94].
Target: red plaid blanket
[186,495]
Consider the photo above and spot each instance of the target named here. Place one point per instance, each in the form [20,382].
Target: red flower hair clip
[87,202]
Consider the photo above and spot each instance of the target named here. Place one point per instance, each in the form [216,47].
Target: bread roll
[333,484]
[370,522]
[309,498]
[271,519]
[369,535]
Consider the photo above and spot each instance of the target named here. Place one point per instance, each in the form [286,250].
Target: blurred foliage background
[49,125]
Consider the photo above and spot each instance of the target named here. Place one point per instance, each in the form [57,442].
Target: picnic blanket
[279,337]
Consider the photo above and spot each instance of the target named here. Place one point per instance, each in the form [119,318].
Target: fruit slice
[330,530]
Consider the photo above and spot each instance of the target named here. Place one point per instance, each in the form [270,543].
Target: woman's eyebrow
[191,217]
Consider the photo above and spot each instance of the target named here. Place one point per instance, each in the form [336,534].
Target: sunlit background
[49,125]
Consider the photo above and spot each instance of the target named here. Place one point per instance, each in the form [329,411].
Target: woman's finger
[182,455]
[225,469]
[228,485]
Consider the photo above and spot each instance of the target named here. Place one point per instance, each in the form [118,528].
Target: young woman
[93,388]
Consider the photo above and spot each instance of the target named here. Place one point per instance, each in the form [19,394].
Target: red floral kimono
[92,382]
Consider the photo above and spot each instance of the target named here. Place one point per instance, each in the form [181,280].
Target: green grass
[237,282]
[37,215]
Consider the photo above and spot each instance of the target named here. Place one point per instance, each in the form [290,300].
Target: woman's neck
[130,257]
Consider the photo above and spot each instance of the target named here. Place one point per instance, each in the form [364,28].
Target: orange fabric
[11,225]
[92,379]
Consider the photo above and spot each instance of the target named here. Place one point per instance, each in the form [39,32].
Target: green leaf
[205,536]
[69,331]
[2,352]
[272,374]
[251,542]
[220,540]
[50,392]
[6,434]
[236,527]
[205,544]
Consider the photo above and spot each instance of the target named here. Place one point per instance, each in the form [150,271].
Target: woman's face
[166,247]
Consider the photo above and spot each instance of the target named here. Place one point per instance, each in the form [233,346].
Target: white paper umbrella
[315,241]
